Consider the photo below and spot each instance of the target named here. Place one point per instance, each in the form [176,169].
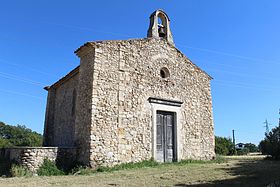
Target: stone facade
[115,119]
[32,157]
[61,110]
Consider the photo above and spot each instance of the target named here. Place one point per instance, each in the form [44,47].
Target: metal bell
[161,31]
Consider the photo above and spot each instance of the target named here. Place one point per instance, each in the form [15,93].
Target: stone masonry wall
[61,113]
[125,74]
[84,108]
[65,113]
[33,157]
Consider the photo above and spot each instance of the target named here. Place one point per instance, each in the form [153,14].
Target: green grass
[144,164]
[237,171]
[49,168]
[20,171]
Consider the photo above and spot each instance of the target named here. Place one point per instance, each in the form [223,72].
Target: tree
[251,147]
[223,146]
[271,143]
[19,135]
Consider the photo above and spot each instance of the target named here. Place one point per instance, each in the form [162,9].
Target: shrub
[219,159]
[264,147]
[223,146]
[5,143]
[20,171]
[48,168]
[271,144]
[243,151]
[251,147]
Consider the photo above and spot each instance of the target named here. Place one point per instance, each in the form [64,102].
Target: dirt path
[239,171]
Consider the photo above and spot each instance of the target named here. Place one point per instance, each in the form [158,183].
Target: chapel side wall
[128,74]
[60,118]
[48,138]
[84,107]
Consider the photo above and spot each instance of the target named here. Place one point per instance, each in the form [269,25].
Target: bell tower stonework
[160,30]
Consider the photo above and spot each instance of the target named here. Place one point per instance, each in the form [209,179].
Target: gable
[151,43]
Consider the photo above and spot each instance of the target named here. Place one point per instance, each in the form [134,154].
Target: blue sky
[236,42]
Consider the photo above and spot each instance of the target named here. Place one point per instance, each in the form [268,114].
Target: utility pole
[233,140]
[279,119]
[233,137]
[267,126]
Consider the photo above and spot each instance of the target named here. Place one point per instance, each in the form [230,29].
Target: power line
[196,48]
[246,87]
[230,54]
[216,62]
[32,69]
[239,74]
[179,44]
[16,78]
[241,85]
[90,29]
[20,93]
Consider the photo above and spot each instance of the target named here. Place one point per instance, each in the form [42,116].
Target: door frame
[174,135]
[165,107]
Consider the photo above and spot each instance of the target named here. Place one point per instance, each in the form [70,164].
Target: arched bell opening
[160,26]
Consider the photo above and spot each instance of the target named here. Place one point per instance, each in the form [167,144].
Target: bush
[18,136]
[251,147]
[243,151]
[5,143]
[219,159]
[223,146]
[271,144]
[20,171]
[48,168]
[264,147]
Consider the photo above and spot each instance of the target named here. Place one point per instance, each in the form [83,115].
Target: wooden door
[165,136]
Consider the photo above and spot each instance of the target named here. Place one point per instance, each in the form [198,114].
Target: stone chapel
[132,100]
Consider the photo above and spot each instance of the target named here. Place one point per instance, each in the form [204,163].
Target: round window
[164,72]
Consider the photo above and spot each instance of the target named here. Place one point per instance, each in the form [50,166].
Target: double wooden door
[166,151]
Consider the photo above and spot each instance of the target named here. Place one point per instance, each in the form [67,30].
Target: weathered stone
[103,106]
[32,158]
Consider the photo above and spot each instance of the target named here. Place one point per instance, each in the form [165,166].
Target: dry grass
[238,171]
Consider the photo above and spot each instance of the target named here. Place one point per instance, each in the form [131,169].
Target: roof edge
[68,76]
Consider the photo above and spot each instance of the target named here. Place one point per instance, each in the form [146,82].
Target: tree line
[20,135]
[225,146]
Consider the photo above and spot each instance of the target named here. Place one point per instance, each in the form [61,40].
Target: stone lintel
[165,101]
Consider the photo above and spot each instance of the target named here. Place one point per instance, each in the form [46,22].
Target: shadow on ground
[5,166]
[247,173]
